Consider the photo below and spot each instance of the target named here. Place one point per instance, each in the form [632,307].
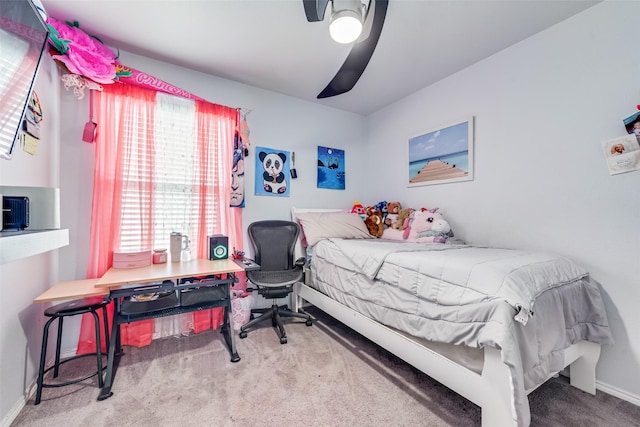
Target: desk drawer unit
[128,259]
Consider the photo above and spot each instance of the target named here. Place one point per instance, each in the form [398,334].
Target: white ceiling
[269,43]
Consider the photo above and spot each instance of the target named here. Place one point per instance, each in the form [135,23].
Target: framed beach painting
[441,155]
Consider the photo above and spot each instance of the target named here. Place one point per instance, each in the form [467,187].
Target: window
[163,164]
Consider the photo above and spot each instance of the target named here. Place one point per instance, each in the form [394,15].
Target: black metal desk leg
[114,342]
[227,331]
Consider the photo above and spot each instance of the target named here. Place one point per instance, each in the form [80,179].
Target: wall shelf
[43,234]
[15,245]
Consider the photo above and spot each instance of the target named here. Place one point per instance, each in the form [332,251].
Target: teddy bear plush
[403,215]
[391,214]
[374,222]
[394,207]
[427,226]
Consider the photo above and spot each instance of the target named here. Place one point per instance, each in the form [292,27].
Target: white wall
[541,109]
[21,281]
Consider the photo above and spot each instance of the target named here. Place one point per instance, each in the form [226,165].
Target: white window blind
[14,87]
[166,178]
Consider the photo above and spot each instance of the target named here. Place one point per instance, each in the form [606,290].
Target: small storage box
[128,259]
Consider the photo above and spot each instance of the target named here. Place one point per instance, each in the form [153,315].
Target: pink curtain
[113,153]
[215,130]
[215,123]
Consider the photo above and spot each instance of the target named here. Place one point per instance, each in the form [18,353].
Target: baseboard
[13,412]
[616,392]
[19,406]
[22,402]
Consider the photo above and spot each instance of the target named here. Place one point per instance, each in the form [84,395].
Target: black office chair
[273,242]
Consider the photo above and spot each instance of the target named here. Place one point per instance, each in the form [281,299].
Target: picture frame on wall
[272,172]
[441,155]
[331,168]
[632,124]
[622,154]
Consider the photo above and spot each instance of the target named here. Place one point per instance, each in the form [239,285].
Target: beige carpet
[327,375]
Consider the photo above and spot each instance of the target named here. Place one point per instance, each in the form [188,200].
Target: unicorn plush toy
[428,226]
[423,226]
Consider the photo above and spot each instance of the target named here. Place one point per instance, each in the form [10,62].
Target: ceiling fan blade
[357,60]
[314,9]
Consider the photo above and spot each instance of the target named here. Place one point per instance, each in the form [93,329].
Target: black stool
[60,311]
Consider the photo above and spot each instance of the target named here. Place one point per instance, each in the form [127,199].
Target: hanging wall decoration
[441,155]
[632,123]
[31,125]
[237,174]
[622,154]
[331,171]
[272,172]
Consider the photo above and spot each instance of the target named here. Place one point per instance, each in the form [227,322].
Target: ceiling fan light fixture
[345,26]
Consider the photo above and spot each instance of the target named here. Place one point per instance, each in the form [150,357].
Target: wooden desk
[117,277]
[184,293]
[72,290]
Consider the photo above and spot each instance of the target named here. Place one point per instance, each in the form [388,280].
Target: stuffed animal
[382,207]
[394,208]
[403,215]
[374,222]
[358,209]
[391,214]
[427,226]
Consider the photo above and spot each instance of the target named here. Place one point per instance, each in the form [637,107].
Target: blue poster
[272,172]
[331,168]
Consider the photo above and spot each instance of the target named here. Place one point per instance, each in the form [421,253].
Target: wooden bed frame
[491,390]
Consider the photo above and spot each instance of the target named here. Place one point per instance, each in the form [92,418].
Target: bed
[491,324]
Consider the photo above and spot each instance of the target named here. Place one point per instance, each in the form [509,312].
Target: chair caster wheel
[251,316]
[308,322]
[242,334]
[283,340]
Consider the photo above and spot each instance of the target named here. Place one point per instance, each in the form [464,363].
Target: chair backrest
[274,243]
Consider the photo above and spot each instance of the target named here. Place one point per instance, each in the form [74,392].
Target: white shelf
[15,245]
[43,234]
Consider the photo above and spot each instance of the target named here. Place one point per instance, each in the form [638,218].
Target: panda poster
[272,172]
[331,168]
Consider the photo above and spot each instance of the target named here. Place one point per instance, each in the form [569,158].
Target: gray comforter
[530,305]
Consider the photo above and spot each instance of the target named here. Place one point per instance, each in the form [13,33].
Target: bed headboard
[300,250]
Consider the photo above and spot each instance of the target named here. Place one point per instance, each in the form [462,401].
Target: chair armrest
[300,262]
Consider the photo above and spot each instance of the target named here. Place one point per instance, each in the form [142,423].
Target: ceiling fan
[371,14]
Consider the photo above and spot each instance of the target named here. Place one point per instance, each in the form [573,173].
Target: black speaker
[218,247]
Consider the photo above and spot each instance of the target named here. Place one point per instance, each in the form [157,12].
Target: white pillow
[323,225]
